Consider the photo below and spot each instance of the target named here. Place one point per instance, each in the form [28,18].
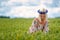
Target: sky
[28,8]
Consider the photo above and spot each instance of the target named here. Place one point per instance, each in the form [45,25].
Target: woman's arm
[35,23]
[45,26]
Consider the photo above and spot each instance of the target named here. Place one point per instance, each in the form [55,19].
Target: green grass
[16,29]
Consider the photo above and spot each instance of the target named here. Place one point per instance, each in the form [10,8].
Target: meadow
[16,29]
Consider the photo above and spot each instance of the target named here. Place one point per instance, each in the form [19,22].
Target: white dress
[33,28]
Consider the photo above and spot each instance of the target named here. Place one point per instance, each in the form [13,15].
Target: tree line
[4,17]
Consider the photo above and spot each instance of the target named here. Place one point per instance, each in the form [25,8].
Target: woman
[40,23]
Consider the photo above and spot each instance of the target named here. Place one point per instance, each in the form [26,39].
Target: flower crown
[44,11]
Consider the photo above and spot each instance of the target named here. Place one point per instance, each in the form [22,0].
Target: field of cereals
[16,29]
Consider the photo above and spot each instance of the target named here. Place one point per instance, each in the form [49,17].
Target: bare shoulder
[35,19]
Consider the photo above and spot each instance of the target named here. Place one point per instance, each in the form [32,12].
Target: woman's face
[42,16]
